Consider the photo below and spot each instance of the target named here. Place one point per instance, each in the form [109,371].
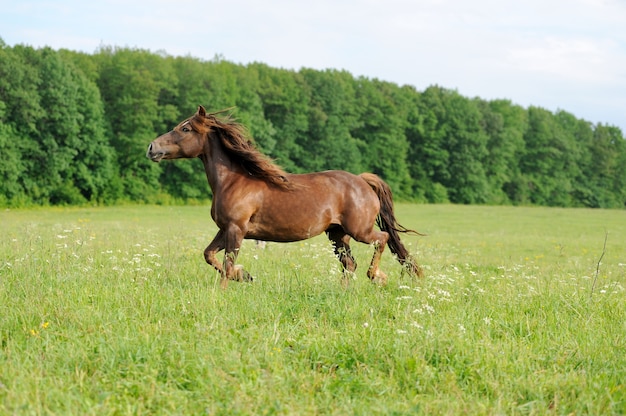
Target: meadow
[113,311]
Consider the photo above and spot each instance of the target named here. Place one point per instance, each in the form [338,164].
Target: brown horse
[255,199]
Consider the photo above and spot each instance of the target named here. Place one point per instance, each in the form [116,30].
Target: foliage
[52,132]
[74,128]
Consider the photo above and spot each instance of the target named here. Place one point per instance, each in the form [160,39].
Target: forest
[74,128]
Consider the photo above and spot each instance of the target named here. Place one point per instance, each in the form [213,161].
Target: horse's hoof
[380,281]
[379,278]
[347,277]
[247,277]
[241,275]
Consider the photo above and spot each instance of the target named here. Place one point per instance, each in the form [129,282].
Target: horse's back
[349,196]
[340,181]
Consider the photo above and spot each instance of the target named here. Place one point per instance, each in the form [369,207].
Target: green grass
[113,311]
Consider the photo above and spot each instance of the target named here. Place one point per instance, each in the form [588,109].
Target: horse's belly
[289,225]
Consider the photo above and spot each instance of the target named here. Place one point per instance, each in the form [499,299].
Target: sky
[556,54]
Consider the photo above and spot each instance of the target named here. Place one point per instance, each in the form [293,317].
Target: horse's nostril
[149,153]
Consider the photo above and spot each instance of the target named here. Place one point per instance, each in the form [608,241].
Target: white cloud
[576,59]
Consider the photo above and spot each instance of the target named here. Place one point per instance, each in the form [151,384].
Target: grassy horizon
[113,311]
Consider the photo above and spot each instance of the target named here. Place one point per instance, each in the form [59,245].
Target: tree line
[74,128]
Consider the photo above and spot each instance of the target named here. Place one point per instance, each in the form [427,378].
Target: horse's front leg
[233,238]
[341,243]
[210,253]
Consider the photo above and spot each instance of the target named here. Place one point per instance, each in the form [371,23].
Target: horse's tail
[387,222]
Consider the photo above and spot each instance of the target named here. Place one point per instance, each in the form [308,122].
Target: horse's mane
[241,149]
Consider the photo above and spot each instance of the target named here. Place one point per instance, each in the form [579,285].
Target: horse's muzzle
[154,155]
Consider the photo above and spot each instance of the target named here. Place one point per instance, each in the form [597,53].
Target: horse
[254,198]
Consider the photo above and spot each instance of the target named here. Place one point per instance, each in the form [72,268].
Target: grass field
[112,311]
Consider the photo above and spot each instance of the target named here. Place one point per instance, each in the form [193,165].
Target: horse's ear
[201,111]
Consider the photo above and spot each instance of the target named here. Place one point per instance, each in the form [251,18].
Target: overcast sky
[556,54]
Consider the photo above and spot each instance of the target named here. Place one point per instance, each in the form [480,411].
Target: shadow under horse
[253,198]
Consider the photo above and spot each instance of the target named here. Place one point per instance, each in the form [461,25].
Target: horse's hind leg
[379,240]
[341,244]
[374,273]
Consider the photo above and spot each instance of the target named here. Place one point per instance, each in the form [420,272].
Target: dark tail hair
[387,222]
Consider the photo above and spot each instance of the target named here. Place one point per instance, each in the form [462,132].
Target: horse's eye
[185,129]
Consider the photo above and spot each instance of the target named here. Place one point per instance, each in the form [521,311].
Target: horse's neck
[219,168]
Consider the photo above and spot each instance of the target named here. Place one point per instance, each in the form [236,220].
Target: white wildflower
[416,325]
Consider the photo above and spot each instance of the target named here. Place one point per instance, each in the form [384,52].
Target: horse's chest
[225,212]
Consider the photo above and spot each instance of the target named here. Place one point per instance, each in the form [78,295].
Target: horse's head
[185,141]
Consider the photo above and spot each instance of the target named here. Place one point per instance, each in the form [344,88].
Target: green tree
[95,171]
[454,145]
[74,128]
[549,162]
[380,132]
[11,168]
[607,167]
[250,108]
[59,153]
[285,104]
[505,124]
[579,135]
[19,110]
[426,160]
[59,128]
[138,88]
[332,116]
